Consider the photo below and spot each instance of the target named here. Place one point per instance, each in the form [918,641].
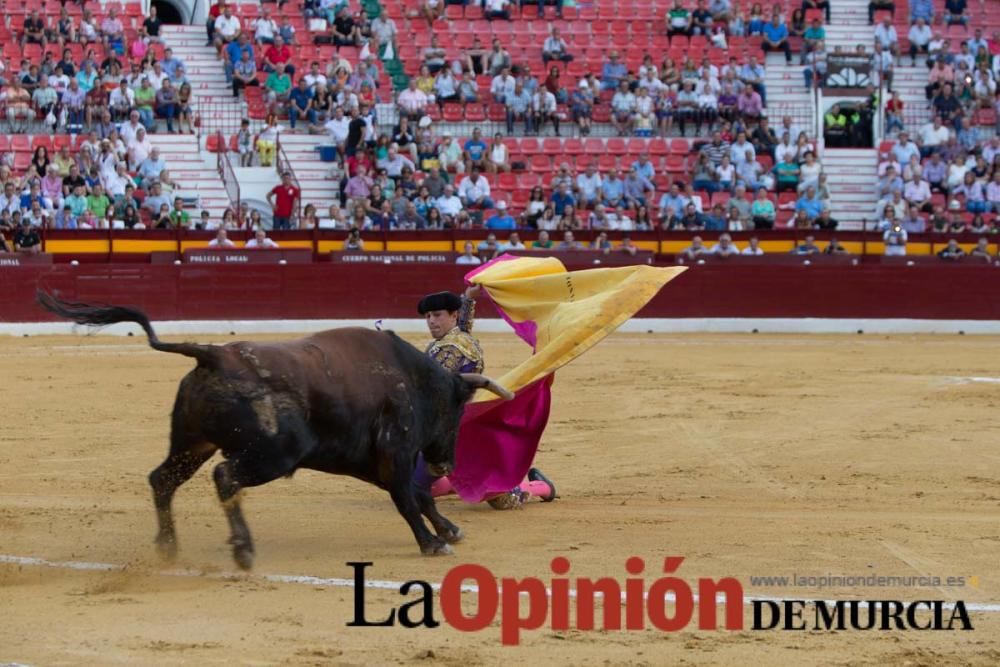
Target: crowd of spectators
[119,182]
[92,75]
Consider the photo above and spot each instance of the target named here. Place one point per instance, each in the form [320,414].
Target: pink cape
[497,440]
[560,314]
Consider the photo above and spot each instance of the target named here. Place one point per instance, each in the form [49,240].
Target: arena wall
[366,292]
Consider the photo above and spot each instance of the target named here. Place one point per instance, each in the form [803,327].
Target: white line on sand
[341,583]
[971,379]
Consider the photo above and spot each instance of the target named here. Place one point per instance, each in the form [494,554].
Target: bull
[348,401]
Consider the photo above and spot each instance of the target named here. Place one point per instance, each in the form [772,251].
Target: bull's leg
[233,475]
[230,479]
[182,462]
[445,529]
[404,494]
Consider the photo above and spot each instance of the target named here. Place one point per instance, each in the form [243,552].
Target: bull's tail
[103,315]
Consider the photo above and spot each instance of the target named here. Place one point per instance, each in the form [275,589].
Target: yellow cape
[572,310]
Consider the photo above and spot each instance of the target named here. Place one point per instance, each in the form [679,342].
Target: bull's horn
[482,382]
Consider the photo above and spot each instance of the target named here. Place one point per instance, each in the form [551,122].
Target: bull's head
[440,456]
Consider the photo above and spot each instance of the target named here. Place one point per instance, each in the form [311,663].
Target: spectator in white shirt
[227,28]
[468,257]
[885,34]
[338,126]
[315,77]
[754,248]
[786,147]
[725,247]
[543,108]
[502,86]
[993,193]
[260,241]
[555,48]
[894,238]
[264,27]
[742,150]
[448,203]
[497,9]
[588,186]
[474,190]
[221,240]
[121,101]
[919,38]
[412,101]
[932,135]
[918,193]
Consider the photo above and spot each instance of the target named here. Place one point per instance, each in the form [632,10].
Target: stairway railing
[282,165]
[227,174]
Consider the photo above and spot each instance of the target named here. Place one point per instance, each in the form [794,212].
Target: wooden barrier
[931,289]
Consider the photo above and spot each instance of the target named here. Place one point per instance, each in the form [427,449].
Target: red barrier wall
[325,291]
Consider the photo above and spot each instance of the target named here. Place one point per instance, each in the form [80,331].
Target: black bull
[346,401]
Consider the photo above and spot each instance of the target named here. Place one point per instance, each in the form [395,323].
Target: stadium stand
[398,114]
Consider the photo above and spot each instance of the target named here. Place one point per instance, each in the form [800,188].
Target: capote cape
[560,314]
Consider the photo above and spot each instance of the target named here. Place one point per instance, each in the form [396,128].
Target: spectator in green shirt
[179,217]
[145,98]
[678,20]
[277,85]
[98,202]
[813,35]
[786,174]
[77,202]
[543,242]
[762,211]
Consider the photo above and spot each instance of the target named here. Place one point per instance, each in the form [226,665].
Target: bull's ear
[477,381]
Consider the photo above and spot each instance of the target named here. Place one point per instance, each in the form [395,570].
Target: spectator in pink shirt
[113,32]
[749,104]
[941,74]
[359,186]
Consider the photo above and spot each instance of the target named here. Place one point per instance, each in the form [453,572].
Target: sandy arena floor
[747,455]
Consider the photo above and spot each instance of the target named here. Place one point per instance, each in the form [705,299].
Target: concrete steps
[319,180]
[216,108]
[194,170]
[850,173]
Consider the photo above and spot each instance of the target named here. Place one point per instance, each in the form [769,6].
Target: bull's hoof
[166,547]
[437,548]
[243,555]
[452,536]
[439,469]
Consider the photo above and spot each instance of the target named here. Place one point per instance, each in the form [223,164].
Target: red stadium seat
[674,164]
[552,146]
[680,146]
[528,181]
[453,113]
[20,143]
[573,147]
[540,164]
[475,113]
[607,162]
[616,146]
[61,140]
[507,181]
[530,146]
[44,141]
